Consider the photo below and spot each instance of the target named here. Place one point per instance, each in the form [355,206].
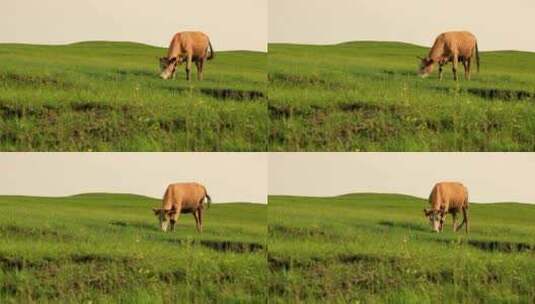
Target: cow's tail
[208,198]
[467,198]
[212,53]
[477,57]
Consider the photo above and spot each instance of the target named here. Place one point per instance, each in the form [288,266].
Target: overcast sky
[497,24]
[490,177]
[231,24]
[228,177]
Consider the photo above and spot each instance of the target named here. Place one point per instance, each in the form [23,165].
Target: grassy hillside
[107,96]
[375,248]
[366,96]
[106,248]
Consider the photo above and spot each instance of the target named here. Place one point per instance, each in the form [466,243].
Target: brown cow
[447,197]
[189,47]
[182,198]
[451,47]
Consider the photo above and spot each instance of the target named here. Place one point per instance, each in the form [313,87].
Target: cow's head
[426,66]
[436,218]
[168,67]
[165,216]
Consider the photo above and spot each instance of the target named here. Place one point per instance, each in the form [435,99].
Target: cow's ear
[156,211]
[427,212]
[172,60]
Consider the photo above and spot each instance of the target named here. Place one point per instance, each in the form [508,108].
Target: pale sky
[489,177]
[498,24]
[231,24]
[228,177]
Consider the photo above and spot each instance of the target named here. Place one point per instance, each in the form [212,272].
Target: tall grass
[106,248]
[107,96]
[366,96]
[377,248]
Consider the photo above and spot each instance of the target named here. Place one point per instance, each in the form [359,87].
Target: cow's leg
[201,210]
[197,220]
[201,66]
[469,68]
[465,219]
[197,216]
[198,65]
[188,66]
[174,219]
[455,62]
[443,213]
[440,69]
[454,220]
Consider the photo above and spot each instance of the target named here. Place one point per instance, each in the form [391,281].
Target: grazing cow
[182,198]
[189,47]
[447,197]
[451,47]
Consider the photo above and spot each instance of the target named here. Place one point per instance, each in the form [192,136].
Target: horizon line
[384,41]
[117,193]
[391,193]
[119,41]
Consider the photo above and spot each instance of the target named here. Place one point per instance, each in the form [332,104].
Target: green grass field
[107,96]
[379,248]
[366,96]
[107,248]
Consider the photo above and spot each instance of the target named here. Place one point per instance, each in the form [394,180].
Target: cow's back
[197,42]
[196,37]
[187,195]
[461,42]
[454,194]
